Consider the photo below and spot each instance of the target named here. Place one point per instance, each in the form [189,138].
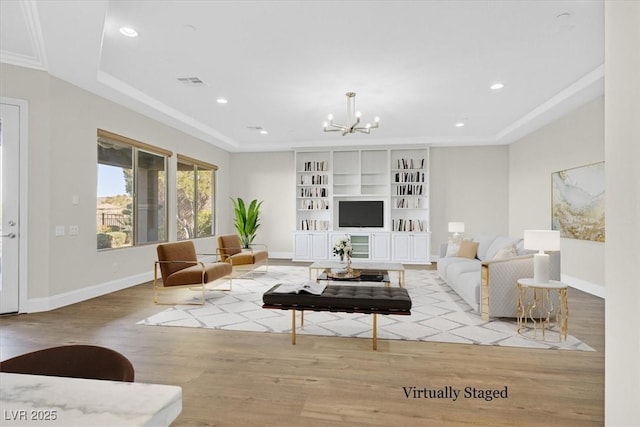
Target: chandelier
[353,117]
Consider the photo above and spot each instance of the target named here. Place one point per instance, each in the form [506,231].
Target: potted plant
[247,220]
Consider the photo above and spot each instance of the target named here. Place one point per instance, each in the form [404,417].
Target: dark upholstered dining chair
[76,361]
[179,267]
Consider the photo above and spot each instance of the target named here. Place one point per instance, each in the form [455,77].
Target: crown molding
[32,23]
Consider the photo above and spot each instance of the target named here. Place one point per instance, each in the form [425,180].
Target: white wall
[576,139]
[467,184]
[63,121]
[268,177]
[622,152]
[470,185]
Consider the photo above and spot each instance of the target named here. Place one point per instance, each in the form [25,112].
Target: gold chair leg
[155,283]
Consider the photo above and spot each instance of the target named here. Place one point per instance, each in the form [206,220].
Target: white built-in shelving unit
[397,177]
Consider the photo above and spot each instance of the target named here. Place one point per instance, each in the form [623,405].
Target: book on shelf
[315,166]
[410,163]
[310,287]
[410,225]
[409,190]
[314,225]
[401,177]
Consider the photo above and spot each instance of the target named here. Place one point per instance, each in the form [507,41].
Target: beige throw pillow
[468,249]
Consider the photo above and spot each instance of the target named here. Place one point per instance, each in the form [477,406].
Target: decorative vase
[341,257]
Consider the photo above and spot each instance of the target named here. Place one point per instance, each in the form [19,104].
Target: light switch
[59,230]
[74,199]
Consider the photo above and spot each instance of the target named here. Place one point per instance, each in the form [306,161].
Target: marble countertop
[43,400]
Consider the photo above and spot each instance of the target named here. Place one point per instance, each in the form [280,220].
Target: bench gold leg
[302,319]
[293,327]
[375,331]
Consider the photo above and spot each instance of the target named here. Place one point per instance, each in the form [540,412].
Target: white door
[9,212]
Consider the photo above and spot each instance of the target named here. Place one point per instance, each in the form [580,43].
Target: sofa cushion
[483,244]
[468,249]
[464,265]
[500,243]
[468,287]
[442,265]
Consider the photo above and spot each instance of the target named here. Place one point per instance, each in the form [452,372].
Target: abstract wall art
[577,209]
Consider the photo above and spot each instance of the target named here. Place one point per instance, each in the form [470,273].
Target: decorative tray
[342,273]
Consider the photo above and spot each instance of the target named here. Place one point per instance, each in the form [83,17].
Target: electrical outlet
[73,230]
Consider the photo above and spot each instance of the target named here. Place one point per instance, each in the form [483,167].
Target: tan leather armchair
[179,267]
[242,260]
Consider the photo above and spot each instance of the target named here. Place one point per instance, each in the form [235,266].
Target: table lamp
[456,228]
[541,240]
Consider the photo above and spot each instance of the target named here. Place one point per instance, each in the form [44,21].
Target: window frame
[197,164]
[137,147]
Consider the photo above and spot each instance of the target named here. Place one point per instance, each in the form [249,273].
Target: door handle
[10,235]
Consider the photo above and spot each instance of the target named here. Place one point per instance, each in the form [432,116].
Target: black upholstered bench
[342,299]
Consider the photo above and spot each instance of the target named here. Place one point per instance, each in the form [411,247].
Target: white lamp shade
[542,240]
[456,227]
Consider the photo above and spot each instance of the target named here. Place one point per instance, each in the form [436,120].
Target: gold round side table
[536,307]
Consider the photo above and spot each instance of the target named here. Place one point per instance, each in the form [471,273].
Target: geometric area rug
[437,314]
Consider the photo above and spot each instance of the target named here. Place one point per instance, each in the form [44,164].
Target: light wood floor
[242,378]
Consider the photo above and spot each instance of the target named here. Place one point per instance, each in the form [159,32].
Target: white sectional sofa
[488,282]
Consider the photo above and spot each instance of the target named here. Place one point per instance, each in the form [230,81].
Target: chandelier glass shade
[353,118]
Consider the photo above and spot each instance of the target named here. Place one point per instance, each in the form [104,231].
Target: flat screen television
[361,213]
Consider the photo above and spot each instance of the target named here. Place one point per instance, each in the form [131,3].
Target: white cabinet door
[309,246]
[318,246]
[301,245]
[380,246]
[401,247]
[411,247]
[420,248]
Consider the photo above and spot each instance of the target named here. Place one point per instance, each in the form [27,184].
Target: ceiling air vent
[191,81]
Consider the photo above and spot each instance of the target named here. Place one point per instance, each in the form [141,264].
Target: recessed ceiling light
[221,100]
[128,31]
[264,132]
[497,86]
[460,124]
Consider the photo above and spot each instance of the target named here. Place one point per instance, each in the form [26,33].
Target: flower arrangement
[343,247]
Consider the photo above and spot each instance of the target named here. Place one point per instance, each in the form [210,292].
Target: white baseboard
[281,255]
[56,301]
[34,305]
[583,285]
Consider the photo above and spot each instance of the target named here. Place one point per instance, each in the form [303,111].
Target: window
[195,184]
[132,192]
